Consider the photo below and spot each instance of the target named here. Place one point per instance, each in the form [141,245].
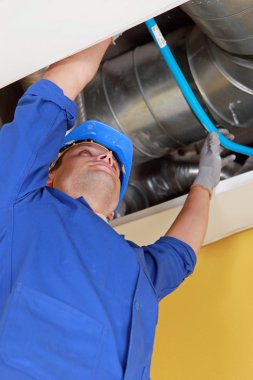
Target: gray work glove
[210,163]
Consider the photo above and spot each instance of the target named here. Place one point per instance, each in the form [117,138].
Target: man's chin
[96,181]
[104,168]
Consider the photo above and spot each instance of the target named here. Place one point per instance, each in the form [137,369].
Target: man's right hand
[73,73]
[210,163]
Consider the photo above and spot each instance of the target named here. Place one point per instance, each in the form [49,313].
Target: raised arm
[74,73]
[44,113]
[191,224]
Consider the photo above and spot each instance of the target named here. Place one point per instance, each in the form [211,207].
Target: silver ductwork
[227,23]
[81,110]
[165,178]
[225,81]
[32,78]
[137,94]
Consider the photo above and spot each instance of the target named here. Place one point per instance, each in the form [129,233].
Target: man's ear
[50,179]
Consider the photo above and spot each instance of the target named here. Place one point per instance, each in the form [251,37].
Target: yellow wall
[205,329]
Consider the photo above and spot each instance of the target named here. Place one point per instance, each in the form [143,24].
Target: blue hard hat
[112,139]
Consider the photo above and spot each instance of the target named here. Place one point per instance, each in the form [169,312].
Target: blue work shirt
[77,300]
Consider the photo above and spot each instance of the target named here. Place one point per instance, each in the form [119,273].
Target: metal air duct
[137,94]
[228,23]
[163,179]
[225,81]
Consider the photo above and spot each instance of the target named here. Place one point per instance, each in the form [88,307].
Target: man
[78,301]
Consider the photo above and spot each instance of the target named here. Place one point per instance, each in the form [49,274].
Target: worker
[77,300]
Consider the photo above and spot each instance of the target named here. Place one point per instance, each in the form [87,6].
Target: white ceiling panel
[35,34]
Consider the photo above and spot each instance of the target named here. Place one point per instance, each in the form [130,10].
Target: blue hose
[188,93]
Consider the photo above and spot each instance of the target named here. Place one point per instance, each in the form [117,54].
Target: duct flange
[228,23]
[224,81]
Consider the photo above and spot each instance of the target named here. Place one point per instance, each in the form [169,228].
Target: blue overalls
[77,300]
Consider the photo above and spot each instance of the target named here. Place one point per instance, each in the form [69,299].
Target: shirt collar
[102,217]
[82,200]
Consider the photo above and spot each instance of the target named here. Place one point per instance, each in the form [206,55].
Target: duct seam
[115,117]
[109,103]
[146,101]
[230,79]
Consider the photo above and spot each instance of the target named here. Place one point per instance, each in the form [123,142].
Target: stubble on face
[96,183]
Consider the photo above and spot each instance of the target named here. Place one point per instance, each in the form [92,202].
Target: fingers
[209,163]
[213,142]
[225,132]
[249,160]
[227,160]
[230,158]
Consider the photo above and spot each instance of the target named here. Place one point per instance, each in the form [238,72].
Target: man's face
[89,170]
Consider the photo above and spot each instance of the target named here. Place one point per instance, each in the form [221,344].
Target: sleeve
[32,140]
[169,261]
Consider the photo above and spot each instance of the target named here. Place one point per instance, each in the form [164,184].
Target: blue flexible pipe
[188,93]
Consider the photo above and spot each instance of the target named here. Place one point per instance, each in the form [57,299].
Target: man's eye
[85,152]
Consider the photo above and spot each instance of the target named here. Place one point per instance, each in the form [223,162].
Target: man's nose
[107,157]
